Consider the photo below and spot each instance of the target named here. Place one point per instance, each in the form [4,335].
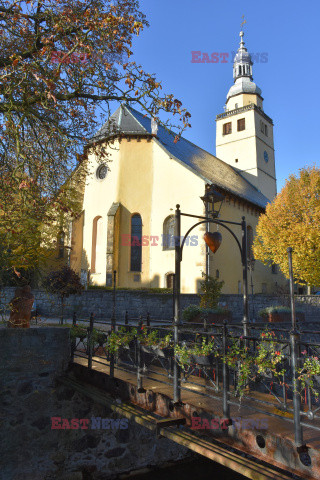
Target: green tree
[293,220]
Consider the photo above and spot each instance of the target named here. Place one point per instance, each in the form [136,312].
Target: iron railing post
[176,367]
[173,296]
[113,321]
[90,343]
[225,372]
[139,358]
[245,321]
[295,360]
[74,340]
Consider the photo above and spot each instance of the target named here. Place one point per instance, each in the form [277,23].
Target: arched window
[136,243]
[60,241]
[169,280]
[168,233]
[217,274]
[249,242]
[97,244]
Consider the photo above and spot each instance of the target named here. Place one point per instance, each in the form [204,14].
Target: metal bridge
[261,422]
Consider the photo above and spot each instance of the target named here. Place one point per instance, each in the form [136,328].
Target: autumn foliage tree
[63,283]
[293,220]
[62,65]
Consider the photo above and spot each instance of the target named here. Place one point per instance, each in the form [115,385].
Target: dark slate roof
[127,120]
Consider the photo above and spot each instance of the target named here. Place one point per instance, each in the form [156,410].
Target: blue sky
[287,31]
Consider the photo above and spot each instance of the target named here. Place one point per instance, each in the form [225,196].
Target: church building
[127,221]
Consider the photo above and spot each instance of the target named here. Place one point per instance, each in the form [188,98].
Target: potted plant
[277,314]
[197,314]
[249,364]
[98,337]
[78,332]
[152,343]
[202,354]
[308,372]
[122,339]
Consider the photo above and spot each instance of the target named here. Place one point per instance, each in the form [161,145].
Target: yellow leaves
[293,219]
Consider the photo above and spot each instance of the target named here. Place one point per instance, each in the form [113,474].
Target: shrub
[193,311]
[63,282]
[211,288]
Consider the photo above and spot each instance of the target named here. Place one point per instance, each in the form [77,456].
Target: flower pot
[21,306]
[102,339]
[129,347]
[285,317]
[203,360]
[165,352]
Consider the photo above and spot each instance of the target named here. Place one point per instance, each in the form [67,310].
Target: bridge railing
[272,371]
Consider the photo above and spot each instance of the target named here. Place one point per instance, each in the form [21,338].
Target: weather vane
[243,21]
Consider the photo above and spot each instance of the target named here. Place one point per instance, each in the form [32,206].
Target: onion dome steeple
[242,65]
[242,72]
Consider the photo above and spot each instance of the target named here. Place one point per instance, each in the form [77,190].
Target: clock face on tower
[266,156]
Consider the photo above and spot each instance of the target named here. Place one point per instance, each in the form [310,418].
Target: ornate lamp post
[213,241]
[251,262]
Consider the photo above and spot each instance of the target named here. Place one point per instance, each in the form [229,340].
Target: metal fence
[211,375]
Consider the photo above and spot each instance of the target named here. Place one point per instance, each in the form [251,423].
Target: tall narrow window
[168,233]
[97,242]
[227,128]
[249,242]
[136,243]
[241,124]
[61,239]
[169,280]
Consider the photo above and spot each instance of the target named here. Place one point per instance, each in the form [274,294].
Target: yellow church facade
[127,223]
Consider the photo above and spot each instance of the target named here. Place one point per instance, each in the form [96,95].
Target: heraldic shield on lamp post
[212,197]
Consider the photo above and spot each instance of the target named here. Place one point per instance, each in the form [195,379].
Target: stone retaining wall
[159,305]
[31,359]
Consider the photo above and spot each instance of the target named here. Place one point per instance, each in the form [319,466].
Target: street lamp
[210,198]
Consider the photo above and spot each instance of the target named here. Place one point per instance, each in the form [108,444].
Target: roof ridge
[127,107]
[201,162]
[197,146]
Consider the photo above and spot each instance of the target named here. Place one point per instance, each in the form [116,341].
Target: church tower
[244,133]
